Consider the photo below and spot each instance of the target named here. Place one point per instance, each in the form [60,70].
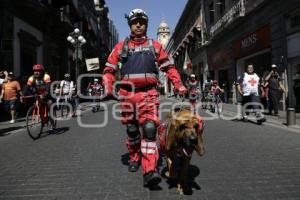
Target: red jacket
[144,79]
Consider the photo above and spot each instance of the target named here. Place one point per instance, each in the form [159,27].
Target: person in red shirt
[138,60]
[39,83]
[194,90]
[96,91]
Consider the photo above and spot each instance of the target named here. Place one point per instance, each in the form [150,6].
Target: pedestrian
[3,77]
[296,88]
[10,91]
[224,86]
[140,59]
[66,92]
[248,87]
[275,89]
[265,94]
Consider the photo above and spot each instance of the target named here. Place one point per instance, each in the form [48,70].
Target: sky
[170,10]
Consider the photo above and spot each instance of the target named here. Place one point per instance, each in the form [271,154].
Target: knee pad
[149,130]
[132,130]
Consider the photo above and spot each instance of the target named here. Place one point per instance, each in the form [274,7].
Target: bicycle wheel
[34,123]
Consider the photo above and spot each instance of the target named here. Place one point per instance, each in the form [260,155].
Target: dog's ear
[199,128]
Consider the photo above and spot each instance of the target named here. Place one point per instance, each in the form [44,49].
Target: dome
[163,27]
[163,24]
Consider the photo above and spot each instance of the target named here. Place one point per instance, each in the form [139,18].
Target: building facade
[236,33]
[35,31]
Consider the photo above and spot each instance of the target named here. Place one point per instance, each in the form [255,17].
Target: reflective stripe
[145,75]
[111,65]
[148,144]
[148,151]
[165,64]
[139,49]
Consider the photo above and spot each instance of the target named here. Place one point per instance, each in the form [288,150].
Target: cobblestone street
[243,161]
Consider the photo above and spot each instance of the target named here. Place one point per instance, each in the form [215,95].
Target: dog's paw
[179,189]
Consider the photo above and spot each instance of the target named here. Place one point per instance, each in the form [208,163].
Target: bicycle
[216,104]
[38,117]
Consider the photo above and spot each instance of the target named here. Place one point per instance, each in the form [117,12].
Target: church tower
[163,37]
[163,33]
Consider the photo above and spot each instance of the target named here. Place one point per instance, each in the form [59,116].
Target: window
[295,21]
[221,4]
[211,13]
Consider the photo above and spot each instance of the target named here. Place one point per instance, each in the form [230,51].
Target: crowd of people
[16,97]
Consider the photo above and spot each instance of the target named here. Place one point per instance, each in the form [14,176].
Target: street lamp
[77,40]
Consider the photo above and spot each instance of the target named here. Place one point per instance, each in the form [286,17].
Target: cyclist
[215,91]
[67,89]
[39,83]
[206,94]
[96,90]
[194,90]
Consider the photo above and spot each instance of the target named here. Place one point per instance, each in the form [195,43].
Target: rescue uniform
[141,59]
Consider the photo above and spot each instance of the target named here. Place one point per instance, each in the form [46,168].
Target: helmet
[67,75]
[193,76]
[274,66]
[38,67]
[95,80]
[136,14]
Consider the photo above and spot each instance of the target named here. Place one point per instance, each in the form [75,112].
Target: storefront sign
[218,59]
[252,43]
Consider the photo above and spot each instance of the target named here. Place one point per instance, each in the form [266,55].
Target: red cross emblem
[252,82]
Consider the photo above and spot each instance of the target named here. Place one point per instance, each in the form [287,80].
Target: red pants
[138,108]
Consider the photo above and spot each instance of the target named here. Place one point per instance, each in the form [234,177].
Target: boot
[133,166]
[151,179]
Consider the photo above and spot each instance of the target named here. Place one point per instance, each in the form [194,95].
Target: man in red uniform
[138,60]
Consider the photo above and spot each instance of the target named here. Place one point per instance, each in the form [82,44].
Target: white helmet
[136,14]
[193,76]
[95,80]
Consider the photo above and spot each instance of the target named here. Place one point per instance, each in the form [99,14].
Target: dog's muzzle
[188,145]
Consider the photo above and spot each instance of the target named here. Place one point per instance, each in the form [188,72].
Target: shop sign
[252,43]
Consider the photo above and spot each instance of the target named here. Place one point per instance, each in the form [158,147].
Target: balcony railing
[237,11]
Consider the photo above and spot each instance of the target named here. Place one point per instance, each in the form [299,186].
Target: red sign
[252,43]
[218,59]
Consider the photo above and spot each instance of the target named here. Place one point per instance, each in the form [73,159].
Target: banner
[92,64]
[187,65]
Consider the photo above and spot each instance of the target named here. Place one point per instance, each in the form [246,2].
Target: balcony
[236,11]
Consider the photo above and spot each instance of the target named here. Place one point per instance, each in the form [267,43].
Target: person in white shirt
[3,77]
[249,86]
[67,91]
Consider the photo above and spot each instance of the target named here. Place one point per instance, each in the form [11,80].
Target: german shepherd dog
[181,135]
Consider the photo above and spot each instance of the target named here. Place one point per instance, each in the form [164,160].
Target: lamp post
[77,40]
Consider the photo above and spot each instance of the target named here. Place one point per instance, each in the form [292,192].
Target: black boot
[151,179]
[133,166]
